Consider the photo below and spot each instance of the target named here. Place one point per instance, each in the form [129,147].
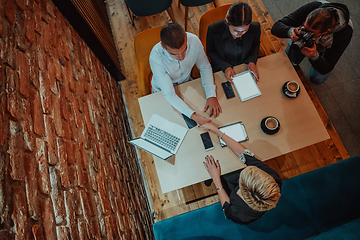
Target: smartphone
[189,122]
[229,92]
[205,137]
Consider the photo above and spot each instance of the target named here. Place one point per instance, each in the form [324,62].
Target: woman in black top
[248,193]
[234,41]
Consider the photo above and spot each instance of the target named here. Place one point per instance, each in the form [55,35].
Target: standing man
[171,62]
[321,32]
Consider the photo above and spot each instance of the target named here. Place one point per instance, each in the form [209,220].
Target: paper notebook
[246,86]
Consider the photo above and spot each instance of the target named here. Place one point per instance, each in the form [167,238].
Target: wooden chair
[193,3]
[144,42]
[218,14]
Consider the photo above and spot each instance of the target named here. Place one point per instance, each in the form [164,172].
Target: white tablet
[236,131]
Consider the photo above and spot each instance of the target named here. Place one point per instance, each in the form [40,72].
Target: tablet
[236,131]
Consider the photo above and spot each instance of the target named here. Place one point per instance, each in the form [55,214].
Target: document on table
[246,86]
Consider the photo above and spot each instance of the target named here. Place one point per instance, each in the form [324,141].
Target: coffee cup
[292,87]
[270,125]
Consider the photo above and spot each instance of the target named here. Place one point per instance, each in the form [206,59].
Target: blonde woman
[245,194]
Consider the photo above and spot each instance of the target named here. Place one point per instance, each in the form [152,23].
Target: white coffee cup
[271,123]
[292,87]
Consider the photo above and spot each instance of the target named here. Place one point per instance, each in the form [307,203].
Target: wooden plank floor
[193,197]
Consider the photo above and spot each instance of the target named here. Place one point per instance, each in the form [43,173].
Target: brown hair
[172,35]
[321,19]
[239,14]
[258,189]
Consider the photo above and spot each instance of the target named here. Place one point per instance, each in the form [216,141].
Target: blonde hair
[258,189]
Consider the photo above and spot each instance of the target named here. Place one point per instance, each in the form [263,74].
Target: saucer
[288,94]
[266,130]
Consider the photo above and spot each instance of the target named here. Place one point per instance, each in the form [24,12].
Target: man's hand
[309,52]
[253,68]
[214,106]
[213,168]
[229,74]
[199,119]
[294,34]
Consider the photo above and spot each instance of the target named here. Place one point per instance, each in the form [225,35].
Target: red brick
[15,152]
[82,229]
[77,202]
[20,38]
[77,116]
[79,165]
[3,134]
[23,74]
[69,75]
[67,131]
[29,26]
[31,187]
[41,55]
[63,166]
[12,99]
[62,233]
[48,220]
[9,56]
[21,4]
[50,139]
[57,116]
[47,35]
[111,228]
[19,214]
[45,92]
[103,193]
[57,196]
[65,107]
[33,69]
[69,151]
[27,126]
[44,178]
[37,232]
[1,26]
[51,74]
[36,112]
[86,206]
[9,9]
[37,16]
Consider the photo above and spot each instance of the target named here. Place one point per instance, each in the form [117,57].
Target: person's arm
[283,27]
[216,61]
[234,146]
[214,171]
[164,82]
[325,62]
[207,80]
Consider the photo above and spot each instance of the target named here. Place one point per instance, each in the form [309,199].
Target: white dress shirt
[168,71]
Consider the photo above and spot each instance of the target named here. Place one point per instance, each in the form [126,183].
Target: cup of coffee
[292,87]
[270,125]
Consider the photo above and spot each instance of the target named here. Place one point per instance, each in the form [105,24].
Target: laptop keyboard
[161,137]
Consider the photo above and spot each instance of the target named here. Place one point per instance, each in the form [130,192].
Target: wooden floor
[190,198]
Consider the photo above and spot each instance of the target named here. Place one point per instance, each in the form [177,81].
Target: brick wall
[66,169]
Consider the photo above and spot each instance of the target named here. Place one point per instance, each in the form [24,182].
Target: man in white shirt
[171,62]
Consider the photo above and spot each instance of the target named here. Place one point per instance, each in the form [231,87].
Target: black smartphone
[205,137]
[229,92]
[189,122]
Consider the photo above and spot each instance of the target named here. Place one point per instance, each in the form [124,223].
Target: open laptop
[161,137]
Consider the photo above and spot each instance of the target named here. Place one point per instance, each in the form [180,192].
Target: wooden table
[298,117]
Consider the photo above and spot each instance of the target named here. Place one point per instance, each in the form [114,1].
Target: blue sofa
[321,204]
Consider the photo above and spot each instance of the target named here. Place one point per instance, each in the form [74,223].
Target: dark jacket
[341,34]
[217,34]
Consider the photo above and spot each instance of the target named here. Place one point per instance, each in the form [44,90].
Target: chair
[193,3]
[218,14]
[144,8]
[143,44]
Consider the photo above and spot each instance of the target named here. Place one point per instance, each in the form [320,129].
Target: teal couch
[321,204]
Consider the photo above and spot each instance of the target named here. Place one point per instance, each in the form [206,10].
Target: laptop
[161,137]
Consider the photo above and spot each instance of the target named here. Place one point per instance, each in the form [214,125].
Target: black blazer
[215,47]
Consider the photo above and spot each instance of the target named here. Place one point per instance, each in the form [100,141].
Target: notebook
[161,137]
[246,86]
[236,131]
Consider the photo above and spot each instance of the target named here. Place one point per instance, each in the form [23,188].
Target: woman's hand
[229,74]
[253,68]
[209,126]
[213,168]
